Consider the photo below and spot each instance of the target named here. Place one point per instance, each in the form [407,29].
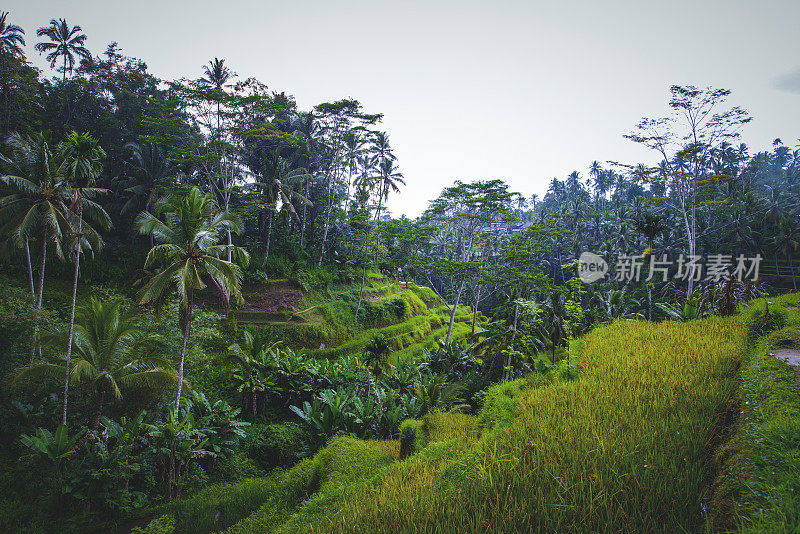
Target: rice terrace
[435,267]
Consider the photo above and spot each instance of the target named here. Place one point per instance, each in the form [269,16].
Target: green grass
[624,448]
[758,489]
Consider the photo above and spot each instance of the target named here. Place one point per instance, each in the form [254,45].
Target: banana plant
[56,448]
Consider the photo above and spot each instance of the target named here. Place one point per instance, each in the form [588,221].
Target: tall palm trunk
[791,268]
[305,206]
[98,409]
[377,218]
[187,323]
[33,296]
[324,235]
[72,313]
[41,292]
[269,236]
[453,312]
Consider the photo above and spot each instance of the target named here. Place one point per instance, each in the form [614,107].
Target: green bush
[236,467]
[411,440]
[765,320]
[164,524]
[278,266]
[501,404]
[276,445]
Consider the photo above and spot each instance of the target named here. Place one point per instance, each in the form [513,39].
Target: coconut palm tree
[11,37]
[36,207]
[389,179]
[787,243]
[150,166]
[65,43]
[381,147]
[111,354]
[277,179]
[306,130]
[187,231]
[217,75]
[84,161]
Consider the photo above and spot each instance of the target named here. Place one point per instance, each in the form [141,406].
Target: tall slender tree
[11,37]
[187,231]
[84,162]
[112,353]
[37,205]
[65,45]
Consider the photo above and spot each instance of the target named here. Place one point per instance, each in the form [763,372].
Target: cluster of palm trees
[50,200]
[747,205]
[64,44]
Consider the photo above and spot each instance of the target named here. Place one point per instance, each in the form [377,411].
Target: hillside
[653,435]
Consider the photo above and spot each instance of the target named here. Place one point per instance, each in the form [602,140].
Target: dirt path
[790,356]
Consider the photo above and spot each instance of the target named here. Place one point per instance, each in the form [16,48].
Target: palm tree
[151,165]
[253,358]
[111,353]
[306,129]
[65,43]
[354,147]
[787,243]
[11,43]
[217,74]
[277,178]
[36,207]
[574,182]
[11,37]
[188,248]
[381,147]
[389,179]
[84,156]
[650,225]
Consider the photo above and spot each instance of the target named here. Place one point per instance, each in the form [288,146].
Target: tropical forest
[217,314]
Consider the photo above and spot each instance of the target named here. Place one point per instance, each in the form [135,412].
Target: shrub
[276,445]
[764,320]
[411,440]
[164,524]
[501,404]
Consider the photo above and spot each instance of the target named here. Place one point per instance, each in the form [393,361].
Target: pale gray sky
[519,90]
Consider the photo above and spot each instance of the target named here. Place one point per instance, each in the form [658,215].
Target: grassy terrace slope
[624,448]
[759,486]
[628,446]
[323,323]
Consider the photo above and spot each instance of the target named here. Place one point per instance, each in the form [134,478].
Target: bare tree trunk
[98,411]
[41,272]
[475,308]
[324,235]
[361,291]
[269,236]
[33,297]
[453,312]
[186,329]
[305,207]
[72,317]
[791,268]
[41,292]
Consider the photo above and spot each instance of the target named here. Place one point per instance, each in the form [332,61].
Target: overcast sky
[519,90]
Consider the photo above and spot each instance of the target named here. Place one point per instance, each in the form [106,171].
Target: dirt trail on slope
[790,356]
